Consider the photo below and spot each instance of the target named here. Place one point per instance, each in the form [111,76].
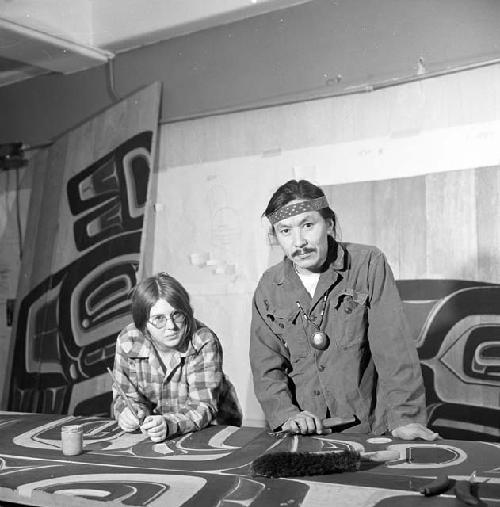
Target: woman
[169,366]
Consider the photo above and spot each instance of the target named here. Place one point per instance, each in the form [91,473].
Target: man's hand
[155,426]
[129,421]
[414,431]
[304,422]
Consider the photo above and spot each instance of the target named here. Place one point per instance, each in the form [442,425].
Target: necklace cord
[322,315]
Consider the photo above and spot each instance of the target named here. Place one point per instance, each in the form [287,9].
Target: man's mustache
[303,251]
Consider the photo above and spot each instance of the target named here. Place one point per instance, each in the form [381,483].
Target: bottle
[72,440]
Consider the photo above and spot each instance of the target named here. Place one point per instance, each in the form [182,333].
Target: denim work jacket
[370,368]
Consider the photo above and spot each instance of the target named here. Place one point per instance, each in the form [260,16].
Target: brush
[124,397]
[299,464]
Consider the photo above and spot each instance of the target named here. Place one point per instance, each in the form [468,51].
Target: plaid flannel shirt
[189,389]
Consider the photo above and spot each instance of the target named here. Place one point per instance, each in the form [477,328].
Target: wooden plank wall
[443,225]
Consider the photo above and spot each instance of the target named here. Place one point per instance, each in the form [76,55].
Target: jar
[72,440]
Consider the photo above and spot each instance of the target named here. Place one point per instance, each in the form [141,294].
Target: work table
[212,468]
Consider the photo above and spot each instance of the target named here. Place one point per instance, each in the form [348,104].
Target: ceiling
[66,36]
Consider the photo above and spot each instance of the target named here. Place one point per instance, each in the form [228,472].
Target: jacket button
[348,309]
[321,367]
[281,325]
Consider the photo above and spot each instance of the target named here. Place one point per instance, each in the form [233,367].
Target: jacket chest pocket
[351,317]
[288,327]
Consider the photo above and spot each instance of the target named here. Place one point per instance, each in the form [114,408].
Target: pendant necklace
[319,340]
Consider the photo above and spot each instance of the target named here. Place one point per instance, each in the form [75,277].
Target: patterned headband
[296,208]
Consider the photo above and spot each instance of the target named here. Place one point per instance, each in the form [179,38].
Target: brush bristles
[299,464]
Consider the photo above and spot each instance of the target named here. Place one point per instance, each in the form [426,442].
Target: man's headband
[296,208]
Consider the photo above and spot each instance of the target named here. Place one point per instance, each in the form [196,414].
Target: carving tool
[437,486]
[463,491]
[329,423]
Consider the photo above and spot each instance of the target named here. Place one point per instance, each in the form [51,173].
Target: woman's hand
[414,431]
[155,426]
[304,422]
[129,421]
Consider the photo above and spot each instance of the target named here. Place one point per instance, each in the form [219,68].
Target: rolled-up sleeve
[268,361]
[393,348]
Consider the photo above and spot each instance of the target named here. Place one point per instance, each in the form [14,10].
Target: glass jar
[72,440]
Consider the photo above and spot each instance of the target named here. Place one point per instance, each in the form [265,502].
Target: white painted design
[493,444]
[101,428]
[96,493]
[341,444]
[162,448]
[58,462]
[115,441]
[248,488]
[379,440]
[6,469]
[31,439]
[322,495]
[217,441]
[194,457]
[180,488]
[122,441]
[454,344]
[458,456]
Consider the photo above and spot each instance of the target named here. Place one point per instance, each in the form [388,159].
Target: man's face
[304,239]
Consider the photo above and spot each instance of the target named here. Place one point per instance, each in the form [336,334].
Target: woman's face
[167,326]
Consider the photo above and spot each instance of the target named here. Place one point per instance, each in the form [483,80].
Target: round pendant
[319,340]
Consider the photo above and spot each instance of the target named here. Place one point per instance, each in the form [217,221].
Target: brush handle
[380,456]
[372,456]
[123,395]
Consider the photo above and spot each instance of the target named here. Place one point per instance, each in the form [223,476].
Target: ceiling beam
[47,51]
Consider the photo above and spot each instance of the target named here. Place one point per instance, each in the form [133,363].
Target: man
[328,334]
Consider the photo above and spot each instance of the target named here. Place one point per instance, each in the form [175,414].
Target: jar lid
[74,428]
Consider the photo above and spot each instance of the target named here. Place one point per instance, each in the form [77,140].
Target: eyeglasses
[177,318]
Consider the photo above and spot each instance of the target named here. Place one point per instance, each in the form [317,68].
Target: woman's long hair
[161,286]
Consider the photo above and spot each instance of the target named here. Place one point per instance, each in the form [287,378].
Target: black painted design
[212,467]
[67,325]
[457,323]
